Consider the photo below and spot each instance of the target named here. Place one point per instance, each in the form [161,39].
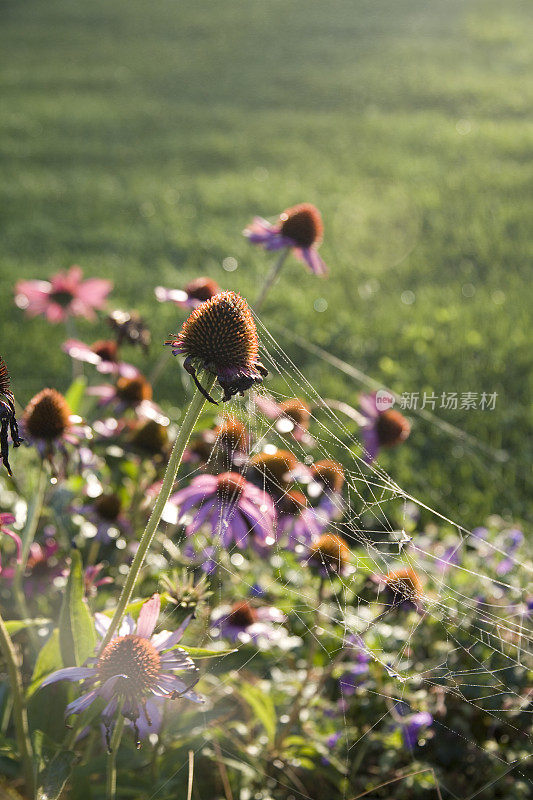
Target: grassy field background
[138,138]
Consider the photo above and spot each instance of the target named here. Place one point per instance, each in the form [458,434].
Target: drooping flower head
[193,295]
[49,424]
[231,435]
[130,328]
[5,520]
[274,470]
[292,416]
[245,623]
[136,666]
[103,354]
[220,337]
[330,555]
[8,422]
[386,428]
[299,228]
[234,509]
[66,294]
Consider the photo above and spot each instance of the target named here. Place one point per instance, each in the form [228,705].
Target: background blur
[138,139]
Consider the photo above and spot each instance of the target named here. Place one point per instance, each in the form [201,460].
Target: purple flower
[353,677]
[8,519]
[386,428]
[246,624]
[136,666]
[8,422]
[65,295]
[298,522]
[128,393]
[49,425]
[231,506]
[193,295]
[292,416]
[299,228]
[449,558]
[102,354]
[105,513]
[412,724]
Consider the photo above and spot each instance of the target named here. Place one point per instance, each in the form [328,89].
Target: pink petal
[148,617]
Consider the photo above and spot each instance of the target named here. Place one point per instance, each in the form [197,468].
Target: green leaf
[75,393]
[262,706]
[15,625]
[201,652]
[48,660]
[77,636]
[55,775]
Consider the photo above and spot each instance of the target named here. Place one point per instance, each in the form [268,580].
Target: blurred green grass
[139,138]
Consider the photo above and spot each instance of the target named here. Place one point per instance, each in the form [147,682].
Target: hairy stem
[111,775]
[184,433]
[20,715]
[270,279]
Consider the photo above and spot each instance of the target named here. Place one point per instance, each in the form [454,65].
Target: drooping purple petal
[68,674]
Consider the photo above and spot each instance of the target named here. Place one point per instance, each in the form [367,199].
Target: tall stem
[271,279]
[20,715]
[184,433]
[111,778]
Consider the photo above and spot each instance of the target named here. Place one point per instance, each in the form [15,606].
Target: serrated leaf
[15,625]
[201,652]
[55,775]
[263,707]
[75,393]
[77,637]
[48,660]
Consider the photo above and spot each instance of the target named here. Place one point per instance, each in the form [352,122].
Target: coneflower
[129,328]
[292,416]
[192,295]
[274,470]
[386,428]
[102,354]
[49,424]
[403,588]
[330,555]
[7,417]
[220,338]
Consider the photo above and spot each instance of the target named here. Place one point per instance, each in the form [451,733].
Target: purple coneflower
[402,588]
[66,294]
[292,416]
[275,471]
[49,424]
[102,354]
[231,506]
[386,428]
[9,519]
[246,624]
[8,422]
[411,724]
[297,521]
[193,295]
[327,481]
[220,338]
[106,514]
[299,228]
[330,555]
[130,328]
[134,667]
[128,393]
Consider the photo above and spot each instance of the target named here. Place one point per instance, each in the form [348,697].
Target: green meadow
[139,138]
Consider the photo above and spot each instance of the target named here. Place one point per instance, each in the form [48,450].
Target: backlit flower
[5,520]
[403,588]
[49,424]
[102,354]
[330,554]
[292,416]
[327,480]
[66,294]
[246,624]
[129,328]
[128,393]
[8,422]
[193,295]
[234,509]
[411,724]
[299,228]
[383,429]
[296,520]
[220,338]
[107,514]
[274,470]
[136,666]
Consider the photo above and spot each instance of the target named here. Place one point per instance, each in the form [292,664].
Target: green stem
[28,535]
[111,780]
[271,279]
[20,715]
[184,433]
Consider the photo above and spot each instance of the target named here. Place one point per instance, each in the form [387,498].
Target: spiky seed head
[330,552]
[302,224]
[202,289]
[297,410]
[275,468]
[404,583]
[134,390]
[392,428]
[232,435]
[292,503]
[107,349]
[230,486]
[329,473]
[136,658]
[242,614]
[47,415]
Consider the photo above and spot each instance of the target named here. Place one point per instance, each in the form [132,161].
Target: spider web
[486,640]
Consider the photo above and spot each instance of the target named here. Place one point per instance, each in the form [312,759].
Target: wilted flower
[193,295]
[102,354]
[292,416]
[383,429]
[49,424]
[220,338]
[130,328]
[330,555]
[5,520]
[65,295]
[134,667]
[296,520]
[274,470]
[231,506]
[299,228]
[7,417]
[244,623]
